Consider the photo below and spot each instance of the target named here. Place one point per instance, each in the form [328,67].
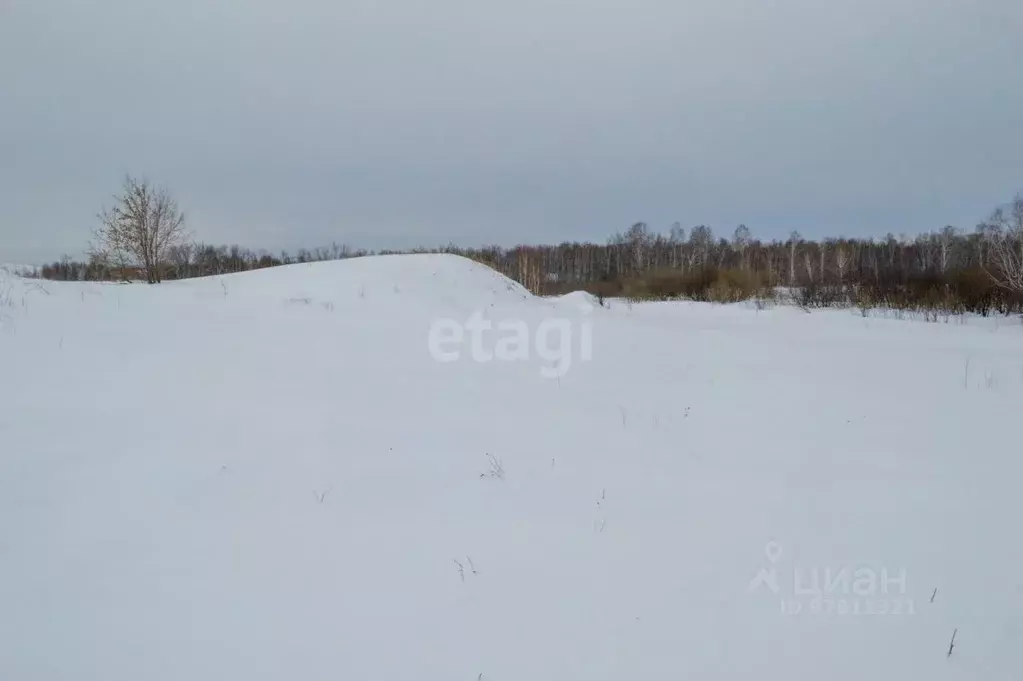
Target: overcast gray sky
[391,123]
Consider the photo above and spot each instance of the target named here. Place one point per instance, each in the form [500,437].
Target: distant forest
[945,272]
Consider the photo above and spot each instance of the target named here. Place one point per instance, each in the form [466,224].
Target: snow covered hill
[333,471]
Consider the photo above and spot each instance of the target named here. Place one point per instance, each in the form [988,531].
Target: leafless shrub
[496,469]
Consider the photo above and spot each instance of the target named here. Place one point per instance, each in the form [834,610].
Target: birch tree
[1004,235]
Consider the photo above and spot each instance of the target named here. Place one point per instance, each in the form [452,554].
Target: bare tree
[823,251]
[676,242]
[1004,235]
[180,257]
[741,240]
[794,240]
[639,240]
[701,240]
[140,230]
[947,241]
[808,264]
[842,259]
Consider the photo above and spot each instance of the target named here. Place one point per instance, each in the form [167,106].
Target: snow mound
[443,279]
[579,299]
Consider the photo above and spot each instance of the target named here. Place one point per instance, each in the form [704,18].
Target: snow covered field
[271,475]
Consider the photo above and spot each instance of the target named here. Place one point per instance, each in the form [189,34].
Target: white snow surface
[268,476]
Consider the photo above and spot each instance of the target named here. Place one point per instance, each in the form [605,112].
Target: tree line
[948,270]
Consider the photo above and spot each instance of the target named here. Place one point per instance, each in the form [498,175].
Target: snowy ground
[271,476]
